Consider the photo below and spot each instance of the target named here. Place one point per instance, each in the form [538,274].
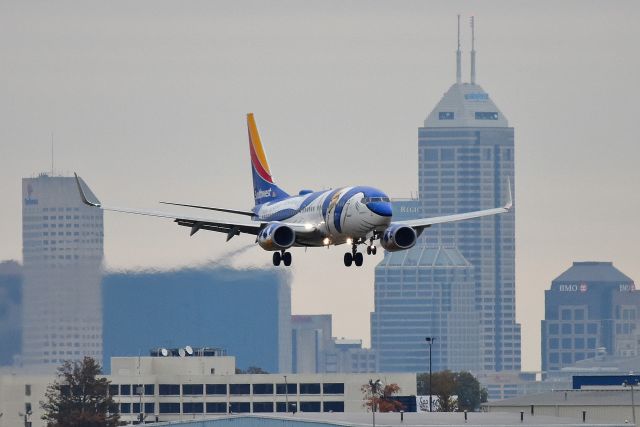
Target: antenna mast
[458,57]
[473,50]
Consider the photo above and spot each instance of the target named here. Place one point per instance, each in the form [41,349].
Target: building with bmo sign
[592,309]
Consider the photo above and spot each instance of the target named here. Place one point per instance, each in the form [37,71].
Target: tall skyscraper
[62,252]
[465,156]
[592,309]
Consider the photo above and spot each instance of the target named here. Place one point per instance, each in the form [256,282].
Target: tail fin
[264,189]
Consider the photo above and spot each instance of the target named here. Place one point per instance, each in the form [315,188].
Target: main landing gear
[284,257]
[355,257]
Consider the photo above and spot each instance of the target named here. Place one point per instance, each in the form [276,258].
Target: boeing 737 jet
[348,215]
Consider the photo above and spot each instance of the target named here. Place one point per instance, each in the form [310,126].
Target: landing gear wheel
[358,258]
[373,250]
[286,258]
[348,259]
[368,250]
[276,258]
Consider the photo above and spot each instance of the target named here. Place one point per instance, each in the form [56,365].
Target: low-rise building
[174,387]
[603,405]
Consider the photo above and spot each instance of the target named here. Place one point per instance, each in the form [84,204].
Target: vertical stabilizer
[264,189]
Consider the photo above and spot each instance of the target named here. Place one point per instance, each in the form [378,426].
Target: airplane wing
[422,223]
[233,211]
[231,228]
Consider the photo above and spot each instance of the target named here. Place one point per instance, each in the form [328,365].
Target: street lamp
[430,341]
[631,385]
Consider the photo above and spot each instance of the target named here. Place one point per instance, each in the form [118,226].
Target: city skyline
[144,93]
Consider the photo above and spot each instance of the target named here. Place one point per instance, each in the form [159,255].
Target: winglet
[509,203]
[82,195]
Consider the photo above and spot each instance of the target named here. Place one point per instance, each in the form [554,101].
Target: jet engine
[276,237]
[398,238]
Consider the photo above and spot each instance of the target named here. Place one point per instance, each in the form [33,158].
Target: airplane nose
[380,208]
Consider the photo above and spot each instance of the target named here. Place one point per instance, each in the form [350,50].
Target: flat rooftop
[411,419]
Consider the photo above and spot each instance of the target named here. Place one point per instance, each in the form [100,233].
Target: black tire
[276,258]
[348,259]
[358,259]
[374,250]
[286,258]
[368,250]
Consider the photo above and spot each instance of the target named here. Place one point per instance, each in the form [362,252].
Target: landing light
[326,241]
[349,241]
[308,226]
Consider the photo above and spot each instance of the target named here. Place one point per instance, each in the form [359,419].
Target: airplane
[347,215]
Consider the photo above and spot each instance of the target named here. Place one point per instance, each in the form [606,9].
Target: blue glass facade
[247,312]
[10,311]
[466,169]
[425,291]
[592,309]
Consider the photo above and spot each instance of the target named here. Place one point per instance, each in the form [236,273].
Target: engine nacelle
[398,238]
[276,237]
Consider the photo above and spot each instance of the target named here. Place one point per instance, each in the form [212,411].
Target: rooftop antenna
[458,57]
[473,50]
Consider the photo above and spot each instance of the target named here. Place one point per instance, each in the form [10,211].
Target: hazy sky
[147,101]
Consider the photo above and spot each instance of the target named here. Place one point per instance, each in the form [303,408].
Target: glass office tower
[466,159]
[62,243]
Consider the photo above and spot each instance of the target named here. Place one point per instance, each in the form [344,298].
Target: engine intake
[276,237]
[398,238]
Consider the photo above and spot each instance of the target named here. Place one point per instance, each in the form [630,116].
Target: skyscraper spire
[473,51]
[458,57]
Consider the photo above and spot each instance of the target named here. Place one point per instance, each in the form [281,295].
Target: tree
[448,385]
[444,388]
[470,393]
[379,396]
[78,398]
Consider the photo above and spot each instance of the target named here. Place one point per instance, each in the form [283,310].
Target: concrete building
[592,310]
[10,312]
[421,292]
[310,339]
[465,157]
[348,356]
[608,406]
[315,350]
[62,252]
[197,387]
[248,312]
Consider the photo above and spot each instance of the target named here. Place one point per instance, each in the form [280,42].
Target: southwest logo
[260,194]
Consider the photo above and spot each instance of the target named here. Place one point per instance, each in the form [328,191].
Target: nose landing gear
[284,257]
[371,250]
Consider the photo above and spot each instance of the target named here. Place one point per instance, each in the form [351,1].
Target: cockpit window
[366,200]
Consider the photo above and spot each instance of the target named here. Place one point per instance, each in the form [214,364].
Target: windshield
[366,200]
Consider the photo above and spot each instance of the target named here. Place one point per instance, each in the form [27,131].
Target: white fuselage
[337,215]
